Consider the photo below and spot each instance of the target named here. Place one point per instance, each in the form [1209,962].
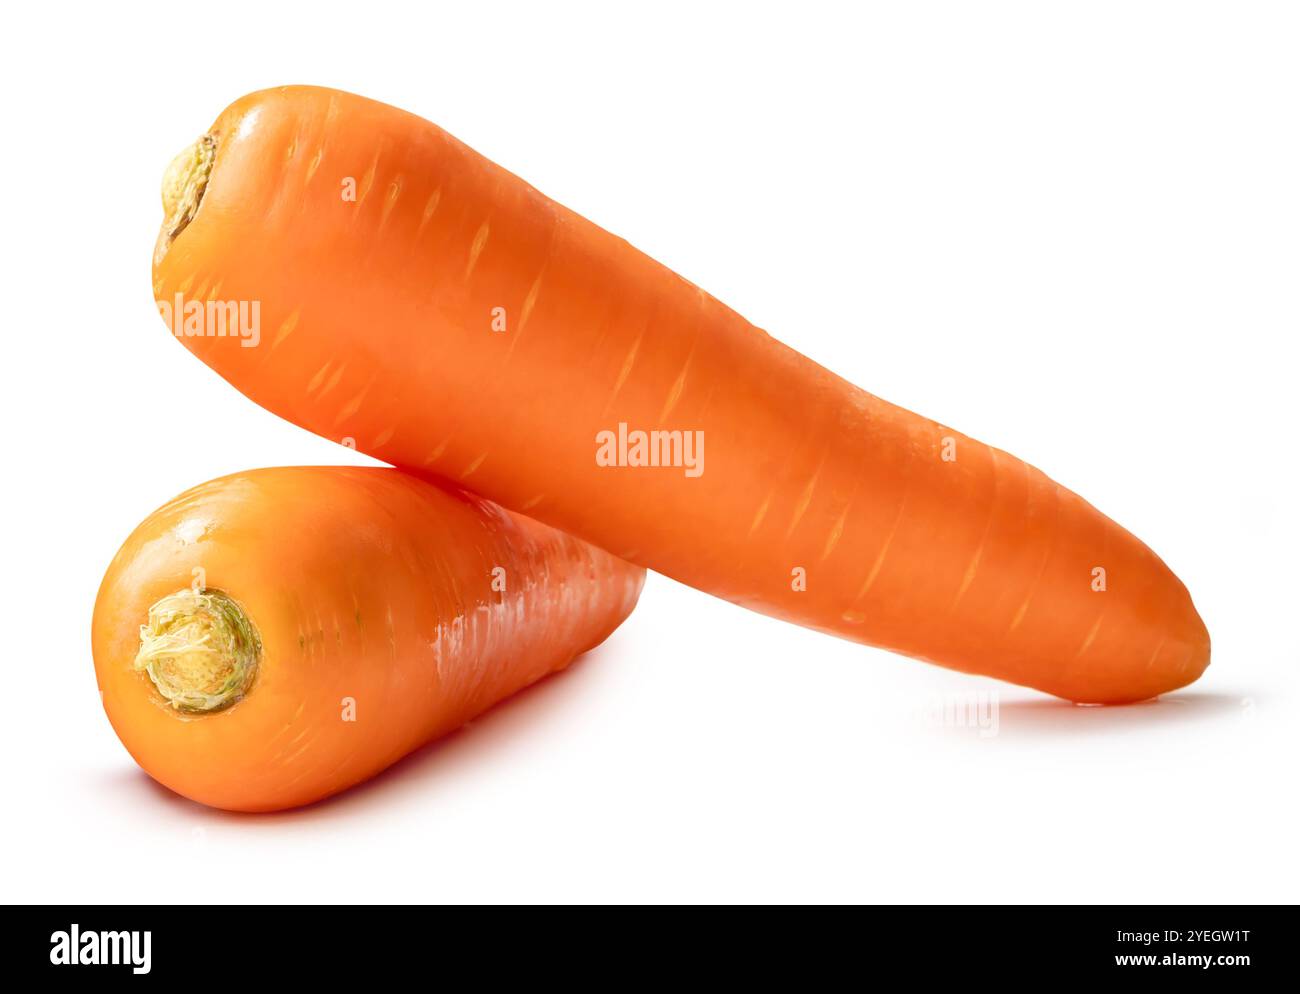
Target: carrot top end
[183,186]
[200,649]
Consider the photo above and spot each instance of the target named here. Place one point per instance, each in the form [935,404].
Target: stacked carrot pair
[447,318]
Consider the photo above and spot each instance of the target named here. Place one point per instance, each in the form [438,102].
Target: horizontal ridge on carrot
[270,638]
[421,301]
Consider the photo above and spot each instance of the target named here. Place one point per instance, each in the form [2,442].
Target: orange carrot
[404,292]
[270,638]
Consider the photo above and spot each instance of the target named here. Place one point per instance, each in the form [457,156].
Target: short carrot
[404,292]
[270,638]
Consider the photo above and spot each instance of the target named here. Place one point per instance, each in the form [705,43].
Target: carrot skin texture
[376,326]
[373,592]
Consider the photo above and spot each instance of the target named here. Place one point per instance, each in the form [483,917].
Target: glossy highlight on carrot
[454,321]
[270,638]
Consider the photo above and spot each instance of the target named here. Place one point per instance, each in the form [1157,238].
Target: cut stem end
[183,186]
[200,650]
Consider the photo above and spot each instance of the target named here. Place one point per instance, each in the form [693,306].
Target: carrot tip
[200,650]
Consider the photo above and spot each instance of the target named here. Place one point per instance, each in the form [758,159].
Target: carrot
[406,294]
[270,638]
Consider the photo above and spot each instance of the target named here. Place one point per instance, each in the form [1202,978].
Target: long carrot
[405,293]
[269,638]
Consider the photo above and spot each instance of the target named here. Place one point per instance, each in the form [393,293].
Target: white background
[1070,230]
